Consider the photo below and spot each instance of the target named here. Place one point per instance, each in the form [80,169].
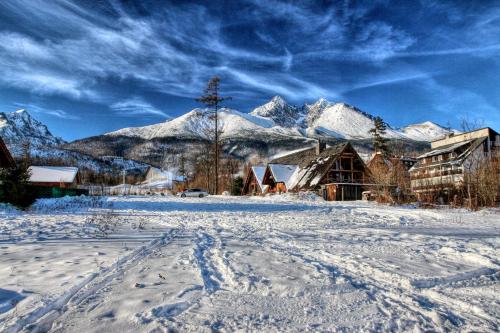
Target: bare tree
[212,100]
[467,124]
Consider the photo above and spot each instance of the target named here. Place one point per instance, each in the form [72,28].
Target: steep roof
[52,174]
[311,166]
[258,172]
[304,157]
[282,172]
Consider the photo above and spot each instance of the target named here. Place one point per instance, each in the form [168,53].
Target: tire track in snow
[42,318]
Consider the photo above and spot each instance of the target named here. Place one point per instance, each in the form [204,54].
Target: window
[440,157]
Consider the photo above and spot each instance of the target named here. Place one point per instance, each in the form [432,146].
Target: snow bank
[69,204]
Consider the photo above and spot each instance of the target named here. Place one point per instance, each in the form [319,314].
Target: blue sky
[88,67]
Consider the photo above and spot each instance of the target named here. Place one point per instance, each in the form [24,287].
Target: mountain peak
[322,101]
[19,127]
[278,100]
[23,114]
[279,111]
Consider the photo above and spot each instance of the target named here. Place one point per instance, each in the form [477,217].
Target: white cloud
[58,113]
[136,106]
[69,49]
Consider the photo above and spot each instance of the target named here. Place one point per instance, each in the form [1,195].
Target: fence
[57,192]
[126,189]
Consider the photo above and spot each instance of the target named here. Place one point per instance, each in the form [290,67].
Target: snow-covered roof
[282,172]
[259,172]
[52,174]
[445,149]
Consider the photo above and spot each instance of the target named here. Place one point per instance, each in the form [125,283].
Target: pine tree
[212,100]
[14,186]
[378,132]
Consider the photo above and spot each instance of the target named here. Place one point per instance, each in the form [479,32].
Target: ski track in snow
[41,319]
[279,263]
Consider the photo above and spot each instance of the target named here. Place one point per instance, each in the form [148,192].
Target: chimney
[320,146]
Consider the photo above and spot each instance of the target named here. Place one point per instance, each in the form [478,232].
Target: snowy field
[154,264]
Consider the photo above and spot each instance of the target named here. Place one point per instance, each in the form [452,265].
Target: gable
[314,173]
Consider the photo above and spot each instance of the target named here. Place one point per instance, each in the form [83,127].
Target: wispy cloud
[136,106]
[58,113]
[83,50]
[390,78]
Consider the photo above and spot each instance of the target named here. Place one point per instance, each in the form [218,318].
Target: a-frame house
[336,173]
[253,181]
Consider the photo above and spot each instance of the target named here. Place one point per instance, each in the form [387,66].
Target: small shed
[6,159]
[253,181]
[54,176]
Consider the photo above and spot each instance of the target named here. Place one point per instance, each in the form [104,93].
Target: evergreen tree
[378,132]
[212,99]
[237,186]
[14,186]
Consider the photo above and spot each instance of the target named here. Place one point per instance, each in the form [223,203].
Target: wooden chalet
[442,169]
[6,160]
[336,173]
[253,181]
[53,176]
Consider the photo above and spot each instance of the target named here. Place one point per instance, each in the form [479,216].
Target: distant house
[253,181]
[391,174]
[6,159]
[161,179]
[336,173]
[442,169]
[389,163]
[54,176]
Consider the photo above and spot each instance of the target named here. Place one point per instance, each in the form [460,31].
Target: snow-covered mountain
[281,113]
[273,127]
[198,123]
[278,119]
[343,121]
[20,131]
[426,131]
[19,127]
